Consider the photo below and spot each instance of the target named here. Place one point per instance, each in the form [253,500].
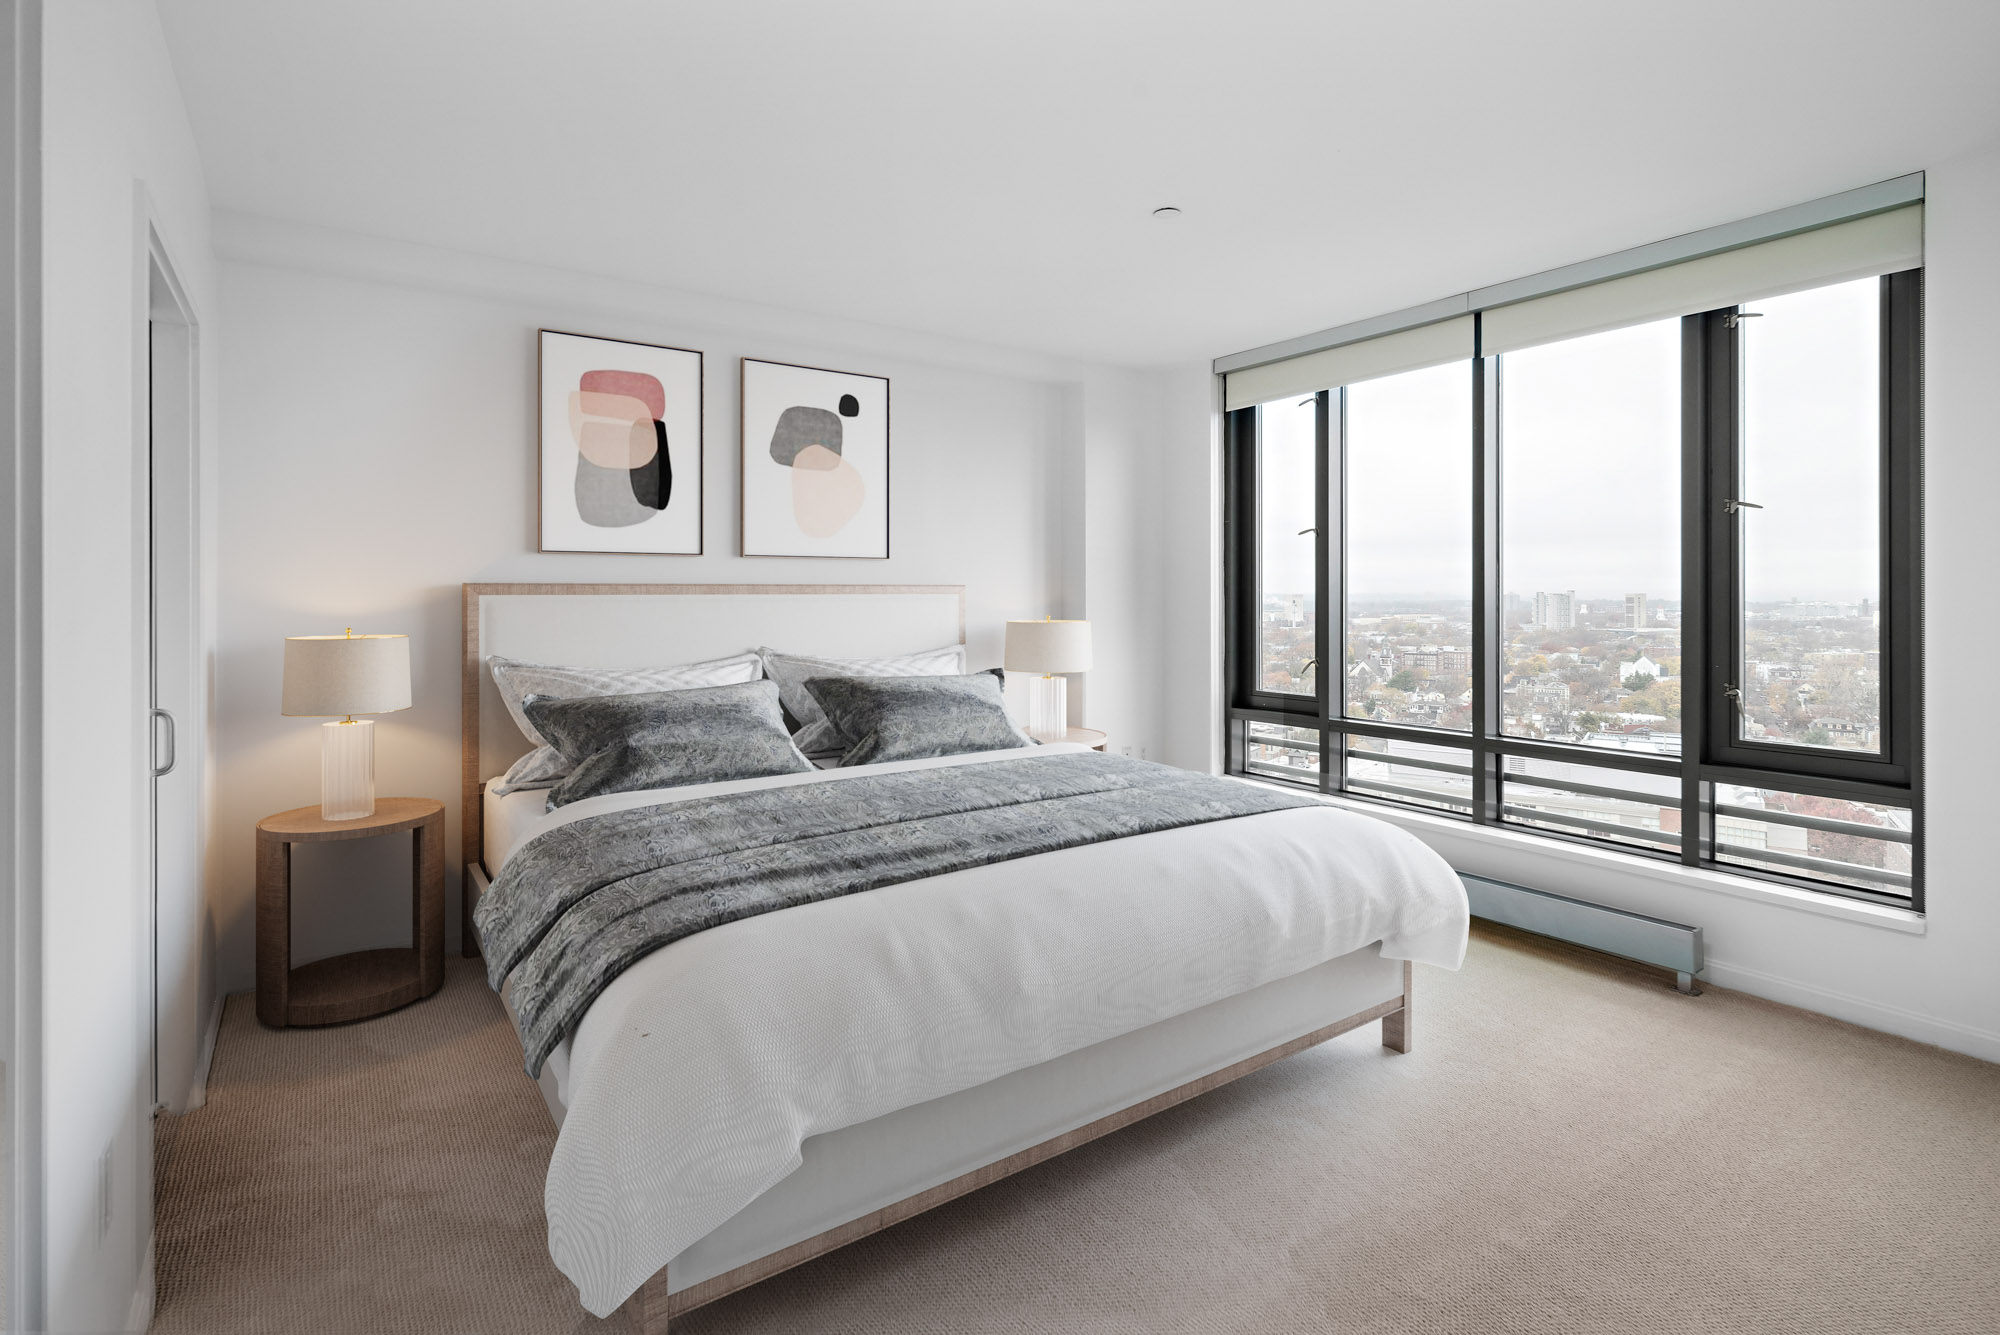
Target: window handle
[1730,320]
[1730,507]
[1735,695]
[1304,531]
[1310,665]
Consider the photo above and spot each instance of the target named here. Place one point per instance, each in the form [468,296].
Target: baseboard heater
[1670,945]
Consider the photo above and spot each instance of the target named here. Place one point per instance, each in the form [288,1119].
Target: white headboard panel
[632,625]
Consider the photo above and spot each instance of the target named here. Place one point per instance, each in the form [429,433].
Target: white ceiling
[988,171]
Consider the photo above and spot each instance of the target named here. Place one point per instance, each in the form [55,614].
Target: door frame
[164,319]
[168,477]
[23,1250]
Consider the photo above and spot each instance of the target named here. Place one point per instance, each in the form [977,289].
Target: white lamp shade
[329,675]
[1048,646]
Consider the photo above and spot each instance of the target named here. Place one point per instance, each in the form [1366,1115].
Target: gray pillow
[913,718]
[666,739]
[814,734]
[516,681]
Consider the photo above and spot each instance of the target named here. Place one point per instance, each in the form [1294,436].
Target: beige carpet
[1571,1147]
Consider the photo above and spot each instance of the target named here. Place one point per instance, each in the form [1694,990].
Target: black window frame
[1711,617]
[1243,566]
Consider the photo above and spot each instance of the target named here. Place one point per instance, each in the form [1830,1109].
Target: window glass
[1279,751]
[1811,461]
[1409,548]
[1590,443]
[1413,772]
[1287,611]
[1593,801]
[1863,844]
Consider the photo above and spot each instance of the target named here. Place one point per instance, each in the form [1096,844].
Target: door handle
[161,771]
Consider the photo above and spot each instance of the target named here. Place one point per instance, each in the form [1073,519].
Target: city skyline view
[1589,557]
[1609,679]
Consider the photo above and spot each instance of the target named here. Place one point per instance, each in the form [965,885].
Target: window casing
[1836,808]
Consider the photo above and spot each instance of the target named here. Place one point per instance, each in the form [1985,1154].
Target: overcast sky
[1591,435]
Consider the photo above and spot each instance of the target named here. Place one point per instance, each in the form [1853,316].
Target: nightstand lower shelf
[362,983]
[352,987]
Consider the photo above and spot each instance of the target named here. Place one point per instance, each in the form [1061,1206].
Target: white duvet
[696,1076]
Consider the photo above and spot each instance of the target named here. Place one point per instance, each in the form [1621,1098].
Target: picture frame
[621,426]
[815,461]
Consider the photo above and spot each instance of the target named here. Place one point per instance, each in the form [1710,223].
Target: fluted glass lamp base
[347,770]
[1048,708]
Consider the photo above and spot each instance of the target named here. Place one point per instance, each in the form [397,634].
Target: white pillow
[545,766]
[792,671]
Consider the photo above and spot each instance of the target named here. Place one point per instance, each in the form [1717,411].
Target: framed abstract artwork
[621,446]
[815,461]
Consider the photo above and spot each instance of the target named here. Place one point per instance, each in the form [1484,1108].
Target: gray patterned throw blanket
[579,904]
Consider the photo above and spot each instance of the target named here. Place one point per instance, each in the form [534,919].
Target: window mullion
[1902,685]
[1242,526]
[1488,601]
[1330,592]
[1707,449]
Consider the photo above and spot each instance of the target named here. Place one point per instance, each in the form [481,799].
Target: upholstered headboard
[638,625]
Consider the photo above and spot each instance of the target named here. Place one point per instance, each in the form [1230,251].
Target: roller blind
[1405,350]
[1865,247]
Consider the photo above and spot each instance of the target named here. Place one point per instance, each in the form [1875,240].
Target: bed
[748,1098]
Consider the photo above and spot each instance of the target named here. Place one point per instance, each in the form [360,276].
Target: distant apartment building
[1843,732]
[1549,695]
[1555,611]
[1439,661]
[1635,611]
[1285,609]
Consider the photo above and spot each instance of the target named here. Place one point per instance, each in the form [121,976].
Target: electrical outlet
[1125,750]
[104,1191]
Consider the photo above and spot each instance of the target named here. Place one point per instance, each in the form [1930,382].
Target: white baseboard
[140,1317]
[198,1094]
[1965,1038]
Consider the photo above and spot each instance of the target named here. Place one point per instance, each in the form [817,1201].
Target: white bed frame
[864,1178]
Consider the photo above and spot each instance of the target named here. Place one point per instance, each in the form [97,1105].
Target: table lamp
[1048,647]
[346,674]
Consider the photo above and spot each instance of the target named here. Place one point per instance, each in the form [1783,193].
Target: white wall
[1117,568]
[1189,444]
[379,449]
[1941,986]
[116,138]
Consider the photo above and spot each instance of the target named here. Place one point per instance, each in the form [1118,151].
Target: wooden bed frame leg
[1396,1024]
[646,1309]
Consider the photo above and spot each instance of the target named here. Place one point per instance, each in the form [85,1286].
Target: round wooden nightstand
[367,982]
[1089,737]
